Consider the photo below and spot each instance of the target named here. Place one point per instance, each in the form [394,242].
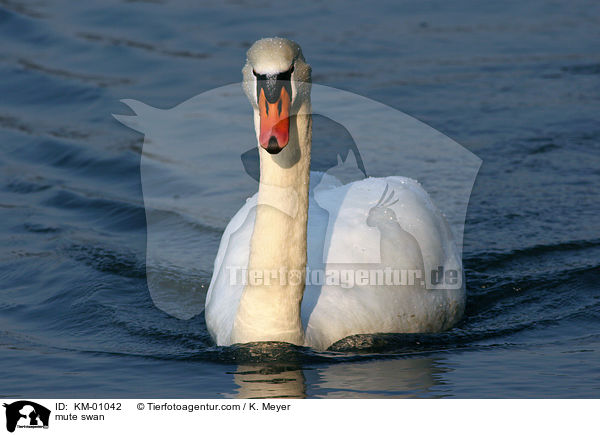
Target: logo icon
[191,174]
[26,414]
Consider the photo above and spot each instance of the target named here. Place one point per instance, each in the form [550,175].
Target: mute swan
[258,291]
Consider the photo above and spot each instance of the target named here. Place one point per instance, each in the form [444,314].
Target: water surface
[517,83]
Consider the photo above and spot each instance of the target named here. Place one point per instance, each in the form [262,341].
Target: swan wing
[411,235]
[226,286]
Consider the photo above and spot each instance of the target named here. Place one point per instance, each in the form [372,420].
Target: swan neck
[269,308]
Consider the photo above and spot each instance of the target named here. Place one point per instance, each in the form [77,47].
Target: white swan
[355,236]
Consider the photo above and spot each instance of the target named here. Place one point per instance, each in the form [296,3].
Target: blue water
[516,82]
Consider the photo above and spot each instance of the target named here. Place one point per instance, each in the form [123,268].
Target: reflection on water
[262,382]
[402,378]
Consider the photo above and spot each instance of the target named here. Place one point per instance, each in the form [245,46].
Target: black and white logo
[26,414]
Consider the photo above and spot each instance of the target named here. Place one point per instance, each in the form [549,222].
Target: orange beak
[274,121]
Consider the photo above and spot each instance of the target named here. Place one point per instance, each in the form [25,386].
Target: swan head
[277,82]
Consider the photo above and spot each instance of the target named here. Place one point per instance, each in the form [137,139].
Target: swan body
[309,260]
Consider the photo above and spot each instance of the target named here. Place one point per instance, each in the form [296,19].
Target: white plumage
[351,238]
[339,234]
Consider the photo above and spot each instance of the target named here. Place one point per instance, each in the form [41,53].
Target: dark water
[515,82]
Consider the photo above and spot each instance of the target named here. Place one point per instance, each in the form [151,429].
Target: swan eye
[286,75]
